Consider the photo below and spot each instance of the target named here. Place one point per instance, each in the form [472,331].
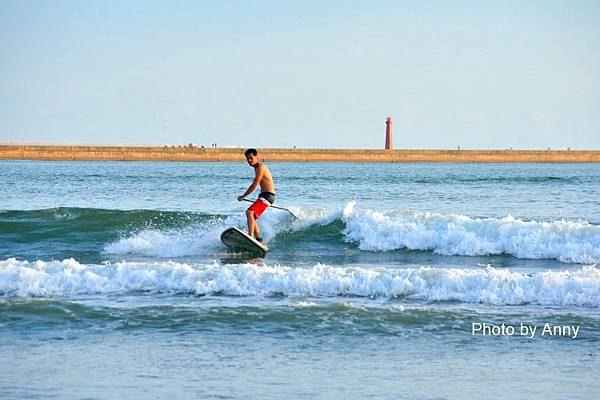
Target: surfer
[262,177]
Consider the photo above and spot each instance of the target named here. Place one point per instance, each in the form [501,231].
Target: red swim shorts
[259,206]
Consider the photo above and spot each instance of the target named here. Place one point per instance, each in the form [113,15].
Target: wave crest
[566,241]
[489,285]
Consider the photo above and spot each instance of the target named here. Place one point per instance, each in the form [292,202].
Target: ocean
[392,281]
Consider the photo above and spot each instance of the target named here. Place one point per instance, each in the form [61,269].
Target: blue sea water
[114,283]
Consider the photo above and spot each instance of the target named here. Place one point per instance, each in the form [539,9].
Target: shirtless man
[262,177]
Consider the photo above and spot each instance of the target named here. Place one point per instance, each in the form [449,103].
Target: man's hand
[240,198]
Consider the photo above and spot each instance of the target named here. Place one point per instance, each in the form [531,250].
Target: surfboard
[238,240]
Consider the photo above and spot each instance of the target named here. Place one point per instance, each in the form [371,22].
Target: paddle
[279,208]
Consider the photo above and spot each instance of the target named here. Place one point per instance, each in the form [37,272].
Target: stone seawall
[170,153]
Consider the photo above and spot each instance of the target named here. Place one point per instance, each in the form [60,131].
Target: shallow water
[114,282]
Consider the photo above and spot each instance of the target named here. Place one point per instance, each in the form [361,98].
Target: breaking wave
[580,287]
[566,241]
[91,234]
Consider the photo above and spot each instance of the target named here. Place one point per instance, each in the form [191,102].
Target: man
[262,177]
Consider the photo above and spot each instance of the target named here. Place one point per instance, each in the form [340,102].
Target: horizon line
[193,145]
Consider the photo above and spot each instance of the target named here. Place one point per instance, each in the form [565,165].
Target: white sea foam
[191,240]
[307,217]
[446,234]
[306,304]
[567,241]
[486,285]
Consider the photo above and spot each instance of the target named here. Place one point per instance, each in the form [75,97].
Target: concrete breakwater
[193,153]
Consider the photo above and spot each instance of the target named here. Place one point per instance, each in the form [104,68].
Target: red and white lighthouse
[389,145]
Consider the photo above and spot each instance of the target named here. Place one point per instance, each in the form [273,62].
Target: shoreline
[204,154]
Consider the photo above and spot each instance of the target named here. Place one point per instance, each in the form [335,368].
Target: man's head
[251,157]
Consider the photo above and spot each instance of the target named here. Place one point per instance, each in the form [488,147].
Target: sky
[311,74]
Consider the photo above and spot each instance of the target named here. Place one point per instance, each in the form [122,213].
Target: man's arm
[259,172]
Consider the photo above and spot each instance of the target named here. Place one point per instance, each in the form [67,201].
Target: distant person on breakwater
[262,177]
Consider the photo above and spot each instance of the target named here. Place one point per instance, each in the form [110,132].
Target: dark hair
[250,151]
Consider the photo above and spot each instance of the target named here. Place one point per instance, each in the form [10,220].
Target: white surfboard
[238,240]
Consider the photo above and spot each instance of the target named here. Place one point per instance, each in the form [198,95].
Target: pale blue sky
[479,74]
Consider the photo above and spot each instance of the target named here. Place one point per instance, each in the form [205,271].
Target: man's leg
[251,222]
[257,234]
[252,214]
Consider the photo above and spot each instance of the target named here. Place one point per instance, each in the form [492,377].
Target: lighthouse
[389,144]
